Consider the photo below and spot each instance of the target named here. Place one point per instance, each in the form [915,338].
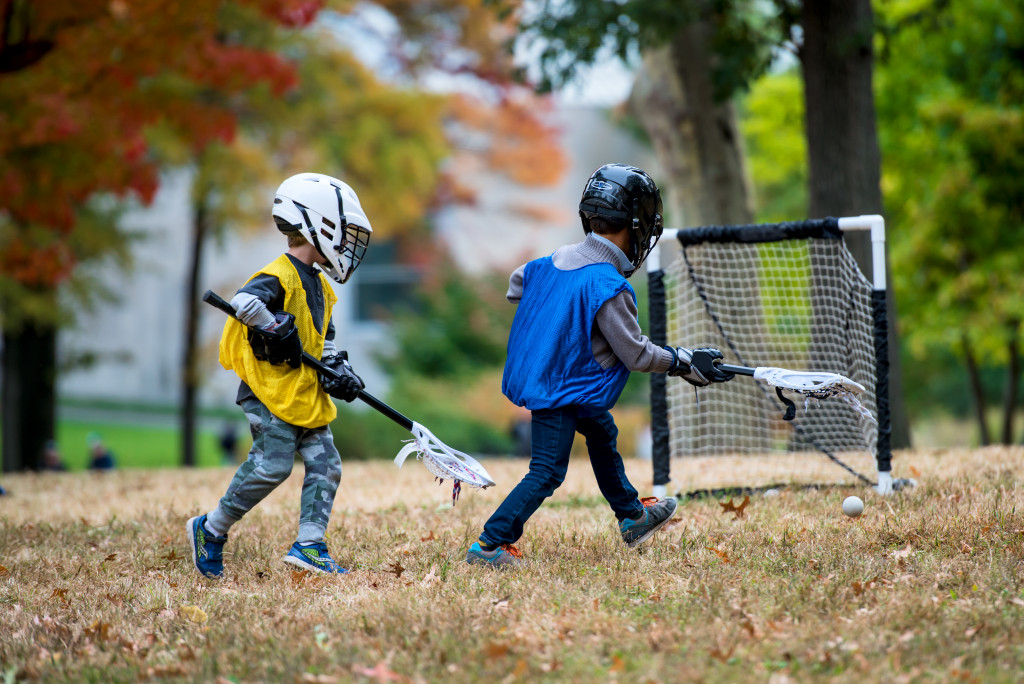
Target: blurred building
[137,342]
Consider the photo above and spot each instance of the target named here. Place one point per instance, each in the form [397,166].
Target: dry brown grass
[96,584]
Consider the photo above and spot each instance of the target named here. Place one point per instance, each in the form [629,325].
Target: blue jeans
[553,434]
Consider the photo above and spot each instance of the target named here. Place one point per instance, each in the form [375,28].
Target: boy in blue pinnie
[282,311]
[574,340]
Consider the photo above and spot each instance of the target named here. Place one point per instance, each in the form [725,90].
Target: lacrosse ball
[853,506]
[770,493]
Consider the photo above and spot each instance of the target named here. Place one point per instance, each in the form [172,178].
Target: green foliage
[934,383]
[772,121]
[366,434]
[574,33]
[949,94]
[949,83]
[460,327]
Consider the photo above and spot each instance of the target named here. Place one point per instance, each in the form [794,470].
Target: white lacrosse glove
[884,486]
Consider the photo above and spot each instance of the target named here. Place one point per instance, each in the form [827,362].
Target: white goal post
[785,294]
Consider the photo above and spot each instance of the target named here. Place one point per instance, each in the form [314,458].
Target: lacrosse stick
[439,458]
[811,385]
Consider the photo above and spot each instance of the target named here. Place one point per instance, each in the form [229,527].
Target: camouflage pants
[274,444]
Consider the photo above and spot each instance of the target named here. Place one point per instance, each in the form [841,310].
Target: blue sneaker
[207,550]
[504,557]
[313,557]
[657,512]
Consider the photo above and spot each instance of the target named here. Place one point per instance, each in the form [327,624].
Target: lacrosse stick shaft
[213,299]
[738,370]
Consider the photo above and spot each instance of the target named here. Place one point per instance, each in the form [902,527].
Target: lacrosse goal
[788,295]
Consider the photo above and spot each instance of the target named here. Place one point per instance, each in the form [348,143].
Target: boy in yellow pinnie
[283,310]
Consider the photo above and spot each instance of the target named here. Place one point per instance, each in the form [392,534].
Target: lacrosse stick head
[813,385]
[817,385]
[443,461]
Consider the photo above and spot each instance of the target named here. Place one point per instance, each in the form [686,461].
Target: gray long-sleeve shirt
[616,335]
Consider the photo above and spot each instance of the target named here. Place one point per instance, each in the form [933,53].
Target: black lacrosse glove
[347,385]
[697,366]
[278,344]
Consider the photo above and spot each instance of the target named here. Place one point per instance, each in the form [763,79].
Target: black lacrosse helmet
[624,194]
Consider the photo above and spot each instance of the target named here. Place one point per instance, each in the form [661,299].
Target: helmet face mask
[328,214]
[622,194]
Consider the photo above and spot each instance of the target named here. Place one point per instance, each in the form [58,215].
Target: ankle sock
[487,547]
[209,527]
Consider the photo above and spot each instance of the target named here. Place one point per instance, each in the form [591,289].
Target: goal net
[788,295]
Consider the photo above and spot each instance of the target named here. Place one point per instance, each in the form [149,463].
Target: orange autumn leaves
[74,112]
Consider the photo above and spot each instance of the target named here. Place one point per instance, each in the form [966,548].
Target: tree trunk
[697,140]
[189,364]
[29,395]
[1012,377]
[977,391]
[844,161]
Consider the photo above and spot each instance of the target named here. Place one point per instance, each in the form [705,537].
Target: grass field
[136,446]
[96,583]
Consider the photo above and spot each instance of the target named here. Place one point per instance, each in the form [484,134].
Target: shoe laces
[511,548]
[649,501]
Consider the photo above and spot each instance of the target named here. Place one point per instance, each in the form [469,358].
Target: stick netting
[800,304]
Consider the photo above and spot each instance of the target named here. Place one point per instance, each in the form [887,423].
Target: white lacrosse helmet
[327,212]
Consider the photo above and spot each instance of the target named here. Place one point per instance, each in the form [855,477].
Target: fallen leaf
[4,571]
[730,507]
[429,537]
[111,557]
[494,650]
[61,594]
[902,553]
[748,625]
[380,672]
[974,630]
[299,576]
[172,556]
[721,554]
[618,665]
[194,614]
[965,547]
[721,655]
[98,630]
[430,577]
[551,667]
[174,670]
[396,569]
[915,472]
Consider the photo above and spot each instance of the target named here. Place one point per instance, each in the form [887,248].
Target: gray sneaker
[504,557]
[657,512]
